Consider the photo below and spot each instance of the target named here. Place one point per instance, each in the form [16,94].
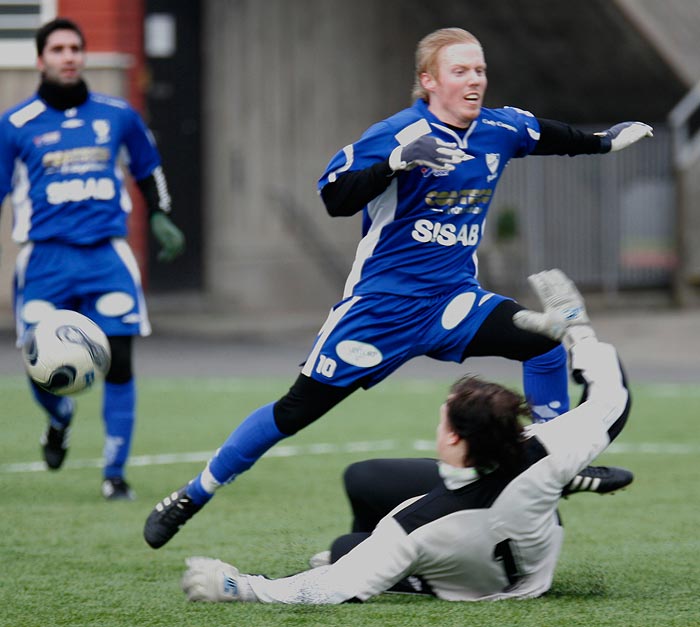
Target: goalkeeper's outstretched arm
[580,435]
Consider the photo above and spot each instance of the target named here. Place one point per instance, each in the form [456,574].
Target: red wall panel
[117,26]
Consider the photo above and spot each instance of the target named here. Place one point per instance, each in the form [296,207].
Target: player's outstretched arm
[577,437]
[558,138]
[214,581]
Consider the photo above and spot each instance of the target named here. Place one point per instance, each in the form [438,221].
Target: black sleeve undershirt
[557,138]
[149,190]
[351,191]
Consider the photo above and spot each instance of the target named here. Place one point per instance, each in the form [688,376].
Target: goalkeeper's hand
[624,134]
[564,317]
[428,151]
[212,580]
[170,238]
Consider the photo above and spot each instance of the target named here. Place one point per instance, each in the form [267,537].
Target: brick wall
[116,26]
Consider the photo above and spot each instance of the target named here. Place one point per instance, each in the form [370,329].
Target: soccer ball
[66,352]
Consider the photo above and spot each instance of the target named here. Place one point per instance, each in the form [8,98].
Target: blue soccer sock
[248,442]
[59,408]
[118,409]
[546,384]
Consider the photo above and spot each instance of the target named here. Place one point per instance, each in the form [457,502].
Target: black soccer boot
[599,479]
[54,446]
[116,489]
[168,516]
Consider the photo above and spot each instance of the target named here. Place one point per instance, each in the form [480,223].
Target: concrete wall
[687,280]
[671,27]
[287,85]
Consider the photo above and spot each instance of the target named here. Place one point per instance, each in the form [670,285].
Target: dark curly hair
[60,23]
[487,416]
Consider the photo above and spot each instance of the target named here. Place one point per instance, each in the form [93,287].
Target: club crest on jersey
[493,160]
[101,128]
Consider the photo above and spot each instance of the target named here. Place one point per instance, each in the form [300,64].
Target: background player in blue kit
[60,156]
[424,179]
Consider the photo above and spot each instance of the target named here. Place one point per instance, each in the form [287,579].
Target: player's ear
[453,438]
[427,81]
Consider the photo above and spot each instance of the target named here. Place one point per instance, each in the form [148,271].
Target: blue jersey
[64,168]
[421,234]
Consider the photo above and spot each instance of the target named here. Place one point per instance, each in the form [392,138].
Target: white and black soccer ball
[66,352]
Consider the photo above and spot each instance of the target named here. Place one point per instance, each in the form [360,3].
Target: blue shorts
[101,281]
[366,338]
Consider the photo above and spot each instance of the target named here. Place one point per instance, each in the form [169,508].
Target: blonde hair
[428,50]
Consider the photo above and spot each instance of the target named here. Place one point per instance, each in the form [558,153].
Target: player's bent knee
[120,370]
[359,478]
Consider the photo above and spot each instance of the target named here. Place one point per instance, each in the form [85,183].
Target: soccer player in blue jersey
[423,179]
[60,156]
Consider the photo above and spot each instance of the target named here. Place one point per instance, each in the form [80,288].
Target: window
[19,20]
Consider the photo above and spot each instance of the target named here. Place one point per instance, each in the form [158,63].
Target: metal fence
[608,221]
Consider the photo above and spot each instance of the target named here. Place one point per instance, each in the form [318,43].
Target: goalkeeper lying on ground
[482,524]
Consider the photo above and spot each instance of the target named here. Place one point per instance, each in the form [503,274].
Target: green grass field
[69,558]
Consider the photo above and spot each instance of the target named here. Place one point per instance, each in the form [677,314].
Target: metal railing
[607,220]
[684,121]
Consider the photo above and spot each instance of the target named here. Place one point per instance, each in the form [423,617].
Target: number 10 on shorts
[326,366]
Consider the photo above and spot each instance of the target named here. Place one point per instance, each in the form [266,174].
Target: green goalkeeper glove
[170,238]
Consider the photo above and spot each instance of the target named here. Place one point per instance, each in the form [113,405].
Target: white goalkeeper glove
[624,134]
[212,580]
[428,151]
[564,317]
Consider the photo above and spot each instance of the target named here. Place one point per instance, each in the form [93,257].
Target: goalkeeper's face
[456,92]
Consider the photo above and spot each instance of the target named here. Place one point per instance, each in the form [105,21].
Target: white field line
[328,449]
